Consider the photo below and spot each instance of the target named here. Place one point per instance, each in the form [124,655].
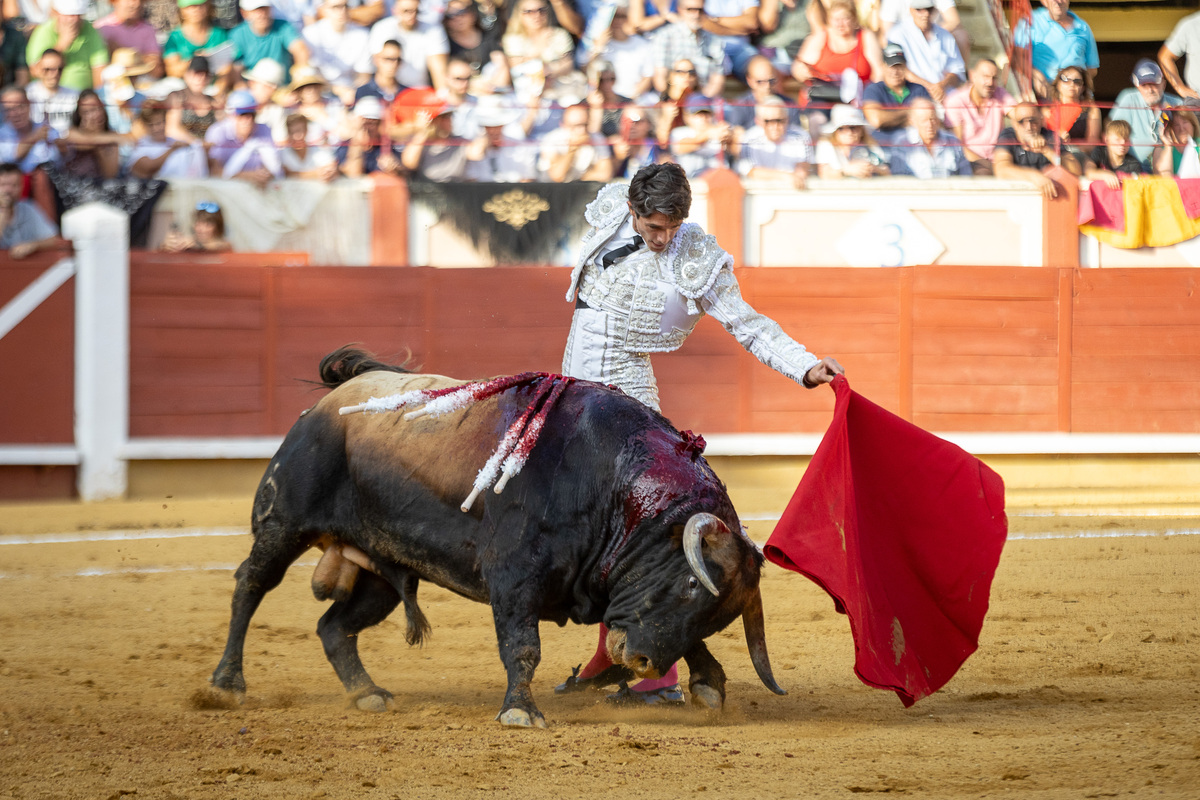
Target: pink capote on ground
[904,530]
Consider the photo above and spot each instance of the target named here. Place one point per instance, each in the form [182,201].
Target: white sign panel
[889,238]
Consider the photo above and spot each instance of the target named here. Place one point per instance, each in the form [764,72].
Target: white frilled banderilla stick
[517,442]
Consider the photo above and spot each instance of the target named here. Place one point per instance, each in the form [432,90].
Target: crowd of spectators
[567,90]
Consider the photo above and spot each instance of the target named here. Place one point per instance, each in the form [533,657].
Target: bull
[615,517]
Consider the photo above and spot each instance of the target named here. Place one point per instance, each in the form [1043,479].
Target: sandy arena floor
[1085,686]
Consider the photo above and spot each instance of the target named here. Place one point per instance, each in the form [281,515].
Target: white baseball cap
[250,5]
[71,8]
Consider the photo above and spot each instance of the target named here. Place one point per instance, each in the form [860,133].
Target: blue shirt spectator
[924,150]
[1058,38]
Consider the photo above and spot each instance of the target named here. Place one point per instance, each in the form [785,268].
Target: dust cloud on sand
[1085,686]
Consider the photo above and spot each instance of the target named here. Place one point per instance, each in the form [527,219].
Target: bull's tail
[350,361]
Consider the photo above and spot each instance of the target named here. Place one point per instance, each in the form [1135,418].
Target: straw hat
[301,77]
[126,63]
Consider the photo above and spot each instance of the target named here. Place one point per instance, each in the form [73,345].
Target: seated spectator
[885,103]
[125,27]
[1056,37]
[647,18]
[774,149]
[156,155]
[682,84]
[783,26]
[456,95]
[297,13]
[701,143]
[263,81]
[239,147]
[339,49]
[687,40]
[434,152]
[763,80]
[1071,113]
[301,159]
[734,22]
[368,149]
[384,84]
[261,36]
[424,45]
[14,69]
[500,154]
[121,99]
[91,149]
[305,96]
[933,57]
[191,110]
[632,57]
[208,233]
[479,48]
[23,141]
[1142,107]
[1179,158]
[924,150]
[831,51]
[82,47]
[976,112]
[1183,41]
[1112,159]
[845,150]
[24,228]
[538,49]
[49,100]
[571,153]
[1026,149]
[196,34]
[635,145]
[603,101]
[945,15]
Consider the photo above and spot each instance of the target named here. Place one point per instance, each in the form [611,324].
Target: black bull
[600,525]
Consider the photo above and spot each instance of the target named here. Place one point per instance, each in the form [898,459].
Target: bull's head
[677,602]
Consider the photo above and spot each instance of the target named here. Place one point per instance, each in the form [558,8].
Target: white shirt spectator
[932,59]
[709,155]
[895,11]
[513,162]
[555,143]
[340,56]
[759,151]
[57,107]
[39,153]
[632,60]
[294,11]
[187,162]
[416,46]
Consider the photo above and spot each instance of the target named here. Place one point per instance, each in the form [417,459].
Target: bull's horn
[756,640]
[693,536]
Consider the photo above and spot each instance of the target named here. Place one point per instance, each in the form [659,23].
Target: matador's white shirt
[650,302]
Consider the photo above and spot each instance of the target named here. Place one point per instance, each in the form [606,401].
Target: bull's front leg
[706,678]
[521,651]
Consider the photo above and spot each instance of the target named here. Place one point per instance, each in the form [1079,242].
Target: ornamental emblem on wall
[516,208]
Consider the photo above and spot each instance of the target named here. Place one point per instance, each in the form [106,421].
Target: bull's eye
[693,582]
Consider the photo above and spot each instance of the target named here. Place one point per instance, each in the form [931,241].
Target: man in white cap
[83,49]
[945,15]
[339,48]
[263,81]
[500,154]
[368,149]
[776,150]
[125,27]
[934,60]
[1142,107]
[239,147]
[261,36]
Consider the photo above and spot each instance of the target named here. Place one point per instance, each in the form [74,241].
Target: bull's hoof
[373,701]
[519,718]
[706,697]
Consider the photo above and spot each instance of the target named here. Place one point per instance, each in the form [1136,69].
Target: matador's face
[656,229]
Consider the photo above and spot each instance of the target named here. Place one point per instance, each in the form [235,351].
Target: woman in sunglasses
[534,37]
[208,232]
[1071,113]
[471,43]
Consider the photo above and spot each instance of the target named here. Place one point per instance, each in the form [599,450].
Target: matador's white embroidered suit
[650,302]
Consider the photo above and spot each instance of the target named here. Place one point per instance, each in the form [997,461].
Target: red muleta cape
[904,530]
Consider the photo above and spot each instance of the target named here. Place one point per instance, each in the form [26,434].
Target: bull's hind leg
[371,601]
[270,557]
